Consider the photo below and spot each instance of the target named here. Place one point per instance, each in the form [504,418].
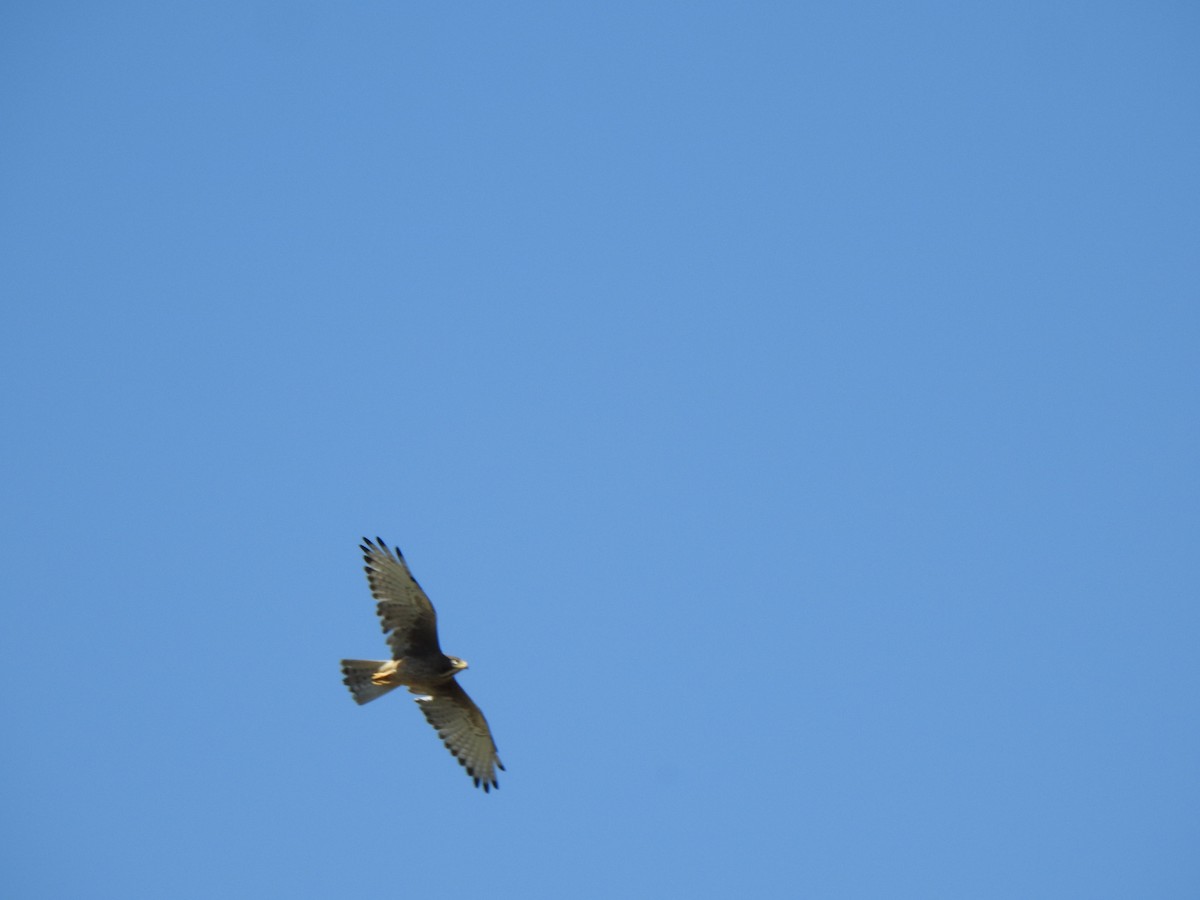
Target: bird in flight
[418,664]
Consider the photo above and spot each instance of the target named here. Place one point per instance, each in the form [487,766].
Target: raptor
[417,663]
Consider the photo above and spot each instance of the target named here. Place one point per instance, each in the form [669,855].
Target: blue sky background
[792,410]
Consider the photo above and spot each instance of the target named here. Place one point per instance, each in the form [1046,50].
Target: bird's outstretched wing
[405,612]
[461,726]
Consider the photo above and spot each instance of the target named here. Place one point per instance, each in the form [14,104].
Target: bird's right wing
[405,612]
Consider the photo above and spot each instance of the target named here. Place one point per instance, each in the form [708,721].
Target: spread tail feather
[358,674]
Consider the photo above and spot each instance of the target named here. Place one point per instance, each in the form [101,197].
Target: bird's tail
[358,674]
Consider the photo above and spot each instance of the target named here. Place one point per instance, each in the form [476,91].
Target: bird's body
[418,664]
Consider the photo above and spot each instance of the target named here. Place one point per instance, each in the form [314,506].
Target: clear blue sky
[793,410]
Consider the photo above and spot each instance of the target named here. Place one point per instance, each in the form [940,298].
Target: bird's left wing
[461,726]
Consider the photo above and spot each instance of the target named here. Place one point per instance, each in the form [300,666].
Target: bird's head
[457,664]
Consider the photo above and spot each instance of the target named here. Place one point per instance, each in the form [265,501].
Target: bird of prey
[418,664]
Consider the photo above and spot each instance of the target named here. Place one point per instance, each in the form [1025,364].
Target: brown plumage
[417,663]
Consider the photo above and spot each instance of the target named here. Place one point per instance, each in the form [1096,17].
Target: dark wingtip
[379,545]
